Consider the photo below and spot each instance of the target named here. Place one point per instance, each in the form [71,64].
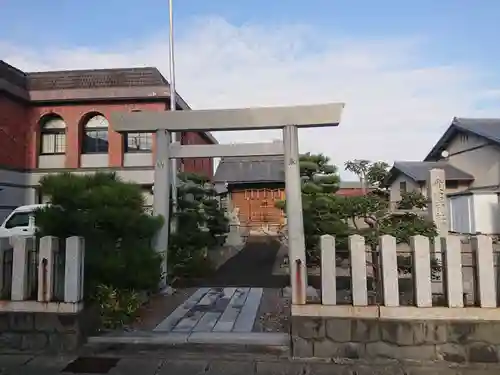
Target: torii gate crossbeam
[287,118]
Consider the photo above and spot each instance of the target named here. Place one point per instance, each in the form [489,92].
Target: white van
[20,222]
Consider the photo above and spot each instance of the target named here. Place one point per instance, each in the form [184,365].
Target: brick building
[58,121]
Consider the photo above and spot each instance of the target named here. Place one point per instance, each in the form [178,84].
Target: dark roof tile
[258,169]
[99,78]
[237,170]
[488,128]
[419,170]
[12,75]
[485,127]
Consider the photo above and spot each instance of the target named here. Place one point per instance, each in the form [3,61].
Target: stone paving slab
[178,314]
[135,366]
[246,319]
[215,310]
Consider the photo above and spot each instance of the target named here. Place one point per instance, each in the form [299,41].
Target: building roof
[88,85]
[488,128]
[419,171]
[256,169]
[96,78]
[350,185]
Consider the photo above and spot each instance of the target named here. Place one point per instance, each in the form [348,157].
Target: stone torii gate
[289,119]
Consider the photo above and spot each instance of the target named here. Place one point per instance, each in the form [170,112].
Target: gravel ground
[274,312]
[159,307]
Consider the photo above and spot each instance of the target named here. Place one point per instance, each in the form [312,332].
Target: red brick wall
[203,166]
[76,115]
[14,133]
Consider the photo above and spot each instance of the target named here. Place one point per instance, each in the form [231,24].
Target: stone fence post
[22,245]
[49,246]
[74,272]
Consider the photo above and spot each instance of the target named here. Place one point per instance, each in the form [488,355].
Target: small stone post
[49,246]
[421,271]
[357,252]
[22,246]
[453,271]
[74,270]
[4,246]
[328,270]
[486,292]
[389,258]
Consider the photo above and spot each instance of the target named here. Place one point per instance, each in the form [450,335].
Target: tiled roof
[259,169]
[485,127]
[99,78]
[350,185]
[488,128]
[237,170]
[71,85]
[12,75]
[419,170]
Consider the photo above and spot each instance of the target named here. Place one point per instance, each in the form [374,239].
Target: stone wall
[431,340]
[34,332]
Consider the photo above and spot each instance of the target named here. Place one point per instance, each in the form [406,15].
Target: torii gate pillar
[295,223]
[289,119]
[161,197]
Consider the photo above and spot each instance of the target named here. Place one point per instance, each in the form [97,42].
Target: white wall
[473,155]
[51,161]
[475,213]
[138,159]
[486,213]
[461,217]
[94,160]
[395,194]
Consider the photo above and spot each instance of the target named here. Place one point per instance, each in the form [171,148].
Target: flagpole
[173,105]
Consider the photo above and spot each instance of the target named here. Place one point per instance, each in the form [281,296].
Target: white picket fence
[451,268]
[34,275]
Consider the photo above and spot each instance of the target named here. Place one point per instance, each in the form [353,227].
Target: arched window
[53,139]
[95,139]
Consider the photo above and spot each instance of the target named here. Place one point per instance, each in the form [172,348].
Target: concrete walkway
[180,363]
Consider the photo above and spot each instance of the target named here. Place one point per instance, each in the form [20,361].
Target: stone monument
[438,213]
[438,207]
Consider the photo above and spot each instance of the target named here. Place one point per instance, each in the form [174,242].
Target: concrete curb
[211,338]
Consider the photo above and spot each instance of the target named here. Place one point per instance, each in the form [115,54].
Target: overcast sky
[404,69]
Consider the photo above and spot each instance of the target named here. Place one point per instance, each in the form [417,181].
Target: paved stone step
[150,341]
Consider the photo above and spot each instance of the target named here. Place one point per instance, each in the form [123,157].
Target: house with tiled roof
[469,154]
[58,121]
